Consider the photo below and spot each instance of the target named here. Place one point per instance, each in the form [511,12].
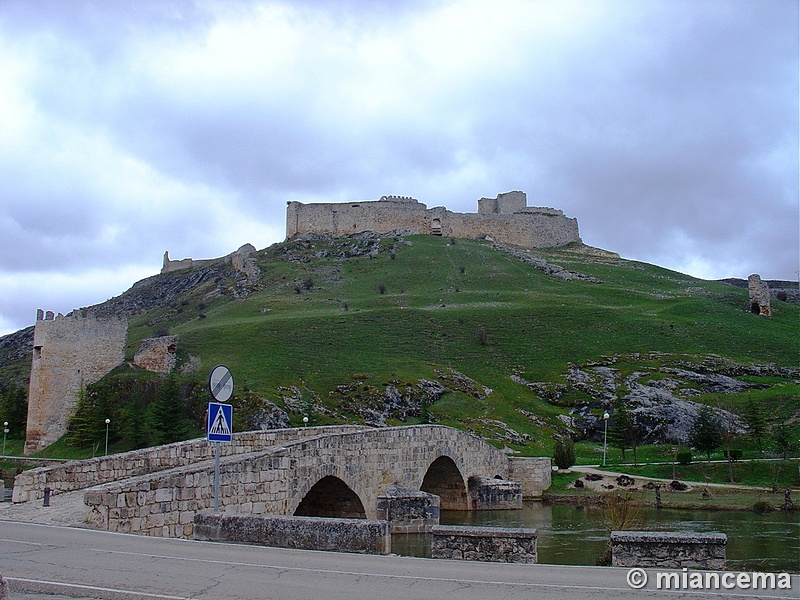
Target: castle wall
[506,219]
[68,352]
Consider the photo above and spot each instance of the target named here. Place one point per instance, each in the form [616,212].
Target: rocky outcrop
[556,271]
[659,397]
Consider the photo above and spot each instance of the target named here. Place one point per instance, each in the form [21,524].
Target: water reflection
[571,535]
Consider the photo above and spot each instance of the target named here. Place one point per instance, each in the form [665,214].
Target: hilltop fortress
[506,219]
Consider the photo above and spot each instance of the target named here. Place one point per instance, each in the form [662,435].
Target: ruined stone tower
[68,352]
[759,296]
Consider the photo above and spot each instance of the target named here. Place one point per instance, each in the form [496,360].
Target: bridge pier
[408,511]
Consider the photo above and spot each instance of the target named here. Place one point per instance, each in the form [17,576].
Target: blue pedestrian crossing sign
[219,426]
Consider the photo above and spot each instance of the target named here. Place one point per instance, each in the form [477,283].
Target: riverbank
[589,486]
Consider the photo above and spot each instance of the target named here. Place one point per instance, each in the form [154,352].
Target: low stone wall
[487,544]
[360,536]
[672,550]
[81,474]
[533,475]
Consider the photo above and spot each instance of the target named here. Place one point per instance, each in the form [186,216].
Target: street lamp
[605,436]
[107,422]
[5,432]
[305,421]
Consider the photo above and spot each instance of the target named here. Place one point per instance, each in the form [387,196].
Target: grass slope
[463,306]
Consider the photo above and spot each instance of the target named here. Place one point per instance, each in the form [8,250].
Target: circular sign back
[220,382]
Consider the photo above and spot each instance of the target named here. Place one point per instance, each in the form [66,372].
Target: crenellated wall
[506,219]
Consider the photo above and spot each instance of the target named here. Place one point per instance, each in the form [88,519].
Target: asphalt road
[82,563]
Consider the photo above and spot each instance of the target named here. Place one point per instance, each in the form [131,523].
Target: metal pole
[605,437]
[107,422]
[216,477]
[5,431]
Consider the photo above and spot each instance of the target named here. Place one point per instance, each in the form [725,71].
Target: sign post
[219,422]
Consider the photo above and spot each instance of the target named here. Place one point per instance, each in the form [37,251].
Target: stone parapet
[486,544]
[360,536]
[81,474]
[671,550]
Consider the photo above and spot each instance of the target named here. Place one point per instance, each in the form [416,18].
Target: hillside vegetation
[459,332]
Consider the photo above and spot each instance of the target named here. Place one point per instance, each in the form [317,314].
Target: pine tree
[168,413]
[564,452]
[756,423]
[82,426]
[706,433]
[15,411]
[619,428]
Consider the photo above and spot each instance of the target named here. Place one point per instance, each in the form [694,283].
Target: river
[571,535]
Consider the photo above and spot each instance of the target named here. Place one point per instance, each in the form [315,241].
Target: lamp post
[5,432]
[305,421]
[605,436]
[107,422]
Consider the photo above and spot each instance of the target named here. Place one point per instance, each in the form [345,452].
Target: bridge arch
[331,497]
[445,479]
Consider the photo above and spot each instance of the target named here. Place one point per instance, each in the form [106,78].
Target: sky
[668,128]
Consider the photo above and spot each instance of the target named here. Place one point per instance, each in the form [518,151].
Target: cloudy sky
[669,129]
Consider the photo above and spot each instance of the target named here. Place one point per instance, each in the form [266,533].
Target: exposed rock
[549,392]
[270,416]
[556,271]
[461,383]
[625,481]
[394,400]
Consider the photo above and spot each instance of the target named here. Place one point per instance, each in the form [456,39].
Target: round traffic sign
[220,382]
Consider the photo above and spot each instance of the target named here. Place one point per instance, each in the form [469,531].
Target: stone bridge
[400,474]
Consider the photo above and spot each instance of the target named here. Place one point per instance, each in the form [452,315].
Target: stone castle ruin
[69,352]
[506,219]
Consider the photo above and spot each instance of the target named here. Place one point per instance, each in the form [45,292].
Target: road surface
[83,563]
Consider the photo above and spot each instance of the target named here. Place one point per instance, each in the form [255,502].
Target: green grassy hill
[416,308]
[357,329]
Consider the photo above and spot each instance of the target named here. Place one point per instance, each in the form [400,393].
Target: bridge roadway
[84,563]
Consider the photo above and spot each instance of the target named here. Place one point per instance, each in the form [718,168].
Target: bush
[684,457]
[733,455]
[564,453]
[382,289]
[761,507]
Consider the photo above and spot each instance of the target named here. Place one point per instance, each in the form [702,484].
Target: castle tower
[68,352]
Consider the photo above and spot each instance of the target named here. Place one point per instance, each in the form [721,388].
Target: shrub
[308,284]
[483,337]
[781,295]
[382,289]
[564,453]
[733,455]
[761,507]
[684,457]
